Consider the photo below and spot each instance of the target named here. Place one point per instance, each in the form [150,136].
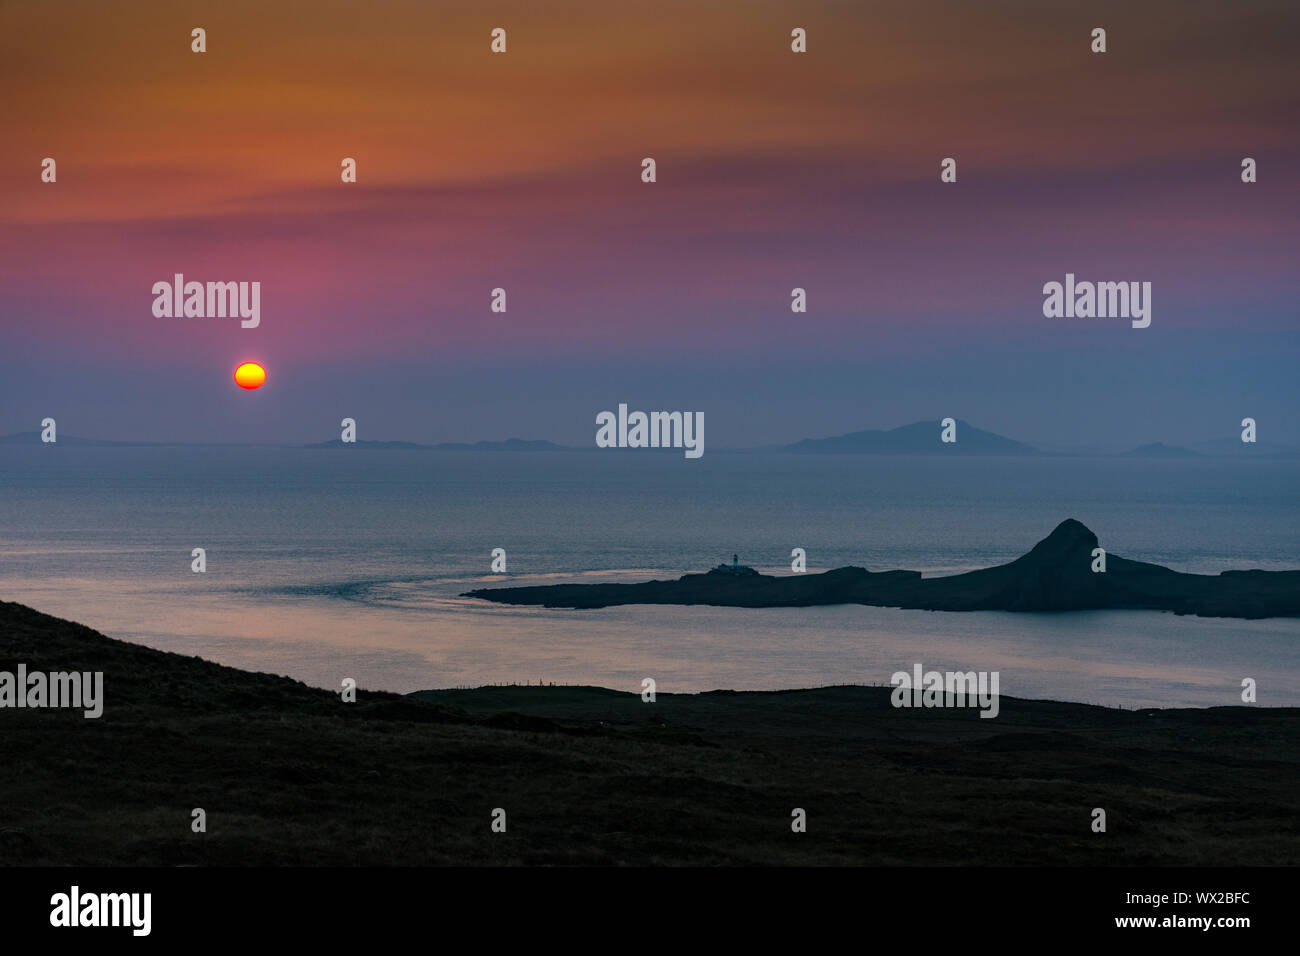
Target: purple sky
[775,170]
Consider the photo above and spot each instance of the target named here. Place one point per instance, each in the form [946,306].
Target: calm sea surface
[325,564]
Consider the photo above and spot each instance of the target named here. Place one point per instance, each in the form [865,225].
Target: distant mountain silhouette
[1158,449]
[339,443]
[1056,575]
[34,438]
[919,438]
[510,444]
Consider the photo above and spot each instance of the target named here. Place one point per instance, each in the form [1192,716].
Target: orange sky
[142,126]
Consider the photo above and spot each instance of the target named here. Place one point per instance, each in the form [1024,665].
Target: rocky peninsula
[1056,575]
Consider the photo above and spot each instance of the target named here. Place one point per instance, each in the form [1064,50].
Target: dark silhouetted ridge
[1055,575]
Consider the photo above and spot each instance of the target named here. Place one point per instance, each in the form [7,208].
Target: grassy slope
[290,775]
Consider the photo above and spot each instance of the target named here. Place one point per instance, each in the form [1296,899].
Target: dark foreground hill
[1056,575]
[289,774]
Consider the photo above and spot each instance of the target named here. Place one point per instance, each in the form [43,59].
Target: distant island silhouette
[1056,575]
[918,438]
[510,444]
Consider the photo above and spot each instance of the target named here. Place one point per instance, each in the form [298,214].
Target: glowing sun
[250,375]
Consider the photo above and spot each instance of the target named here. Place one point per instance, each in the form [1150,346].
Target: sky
[775,170]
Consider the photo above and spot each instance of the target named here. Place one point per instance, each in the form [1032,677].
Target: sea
[326,564]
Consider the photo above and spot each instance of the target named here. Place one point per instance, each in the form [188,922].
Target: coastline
[1066,571]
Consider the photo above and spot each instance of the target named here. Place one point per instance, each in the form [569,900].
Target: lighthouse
[734,569]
